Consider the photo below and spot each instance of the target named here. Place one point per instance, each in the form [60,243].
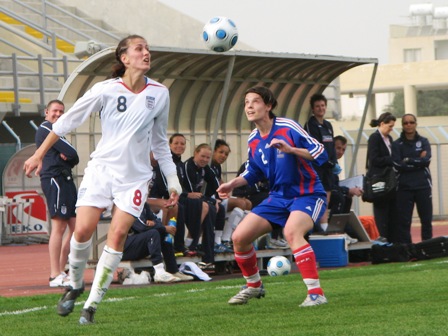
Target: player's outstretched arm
[174,188]
[35,161]
[226,188]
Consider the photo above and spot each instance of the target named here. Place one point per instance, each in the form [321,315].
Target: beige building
[418,55]
[419,62]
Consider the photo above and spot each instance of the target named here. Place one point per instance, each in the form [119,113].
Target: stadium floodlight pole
[222,103]
[363,119]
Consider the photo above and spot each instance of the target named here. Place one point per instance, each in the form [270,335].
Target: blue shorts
[60,194]
[276,210]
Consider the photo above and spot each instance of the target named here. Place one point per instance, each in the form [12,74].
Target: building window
[412,55]
[441,49]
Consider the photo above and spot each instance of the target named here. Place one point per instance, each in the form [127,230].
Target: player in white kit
[134,118]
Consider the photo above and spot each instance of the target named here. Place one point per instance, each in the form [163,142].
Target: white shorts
[101,190]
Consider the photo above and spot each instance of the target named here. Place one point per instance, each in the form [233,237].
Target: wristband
[173,184]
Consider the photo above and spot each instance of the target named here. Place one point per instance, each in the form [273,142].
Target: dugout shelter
[207,98]
[207,91]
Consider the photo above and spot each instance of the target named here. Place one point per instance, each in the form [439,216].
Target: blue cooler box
[331,250]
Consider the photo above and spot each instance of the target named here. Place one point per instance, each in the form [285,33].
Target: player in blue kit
[134,117]
[282,151]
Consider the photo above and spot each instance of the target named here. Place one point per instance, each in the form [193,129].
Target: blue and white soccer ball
[279,265]
[220,34]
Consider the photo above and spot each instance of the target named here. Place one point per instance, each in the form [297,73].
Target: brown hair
[266,95]
[118,69]
[202,145]
[317,97]
[221,142]
[54,101]
[385,117]
[175,135]
[340,138]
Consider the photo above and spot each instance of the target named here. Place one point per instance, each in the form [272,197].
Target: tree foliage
[429,103]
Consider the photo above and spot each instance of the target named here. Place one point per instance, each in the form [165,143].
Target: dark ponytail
[385,117]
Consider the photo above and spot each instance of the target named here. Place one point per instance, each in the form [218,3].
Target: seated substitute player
[223,238]
[147,237]
[341,197]
[280,150]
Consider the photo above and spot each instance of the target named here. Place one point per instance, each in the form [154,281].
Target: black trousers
[193,210]
[406,199]
[384,211]
[150,243]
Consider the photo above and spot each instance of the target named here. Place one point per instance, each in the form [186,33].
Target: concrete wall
[159,24]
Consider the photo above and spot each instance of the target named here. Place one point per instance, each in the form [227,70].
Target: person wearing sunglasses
[411,154]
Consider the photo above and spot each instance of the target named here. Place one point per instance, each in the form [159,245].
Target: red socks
[306,263]
[247,262]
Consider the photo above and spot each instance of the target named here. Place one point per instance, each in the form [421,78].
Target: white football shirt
[132,125]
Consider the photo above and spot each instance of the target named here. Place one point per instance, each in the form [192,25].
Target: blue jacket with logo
[411,160]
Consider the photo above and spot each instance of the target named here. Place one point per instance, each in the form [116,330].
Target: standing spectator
[322,130]
[280,150]
[60,192]
[379,156]
[411,154]
[134,117]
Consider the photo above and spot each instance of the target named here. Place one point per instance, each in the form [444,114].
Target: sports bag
[379,185]
[390,253]
[432,248]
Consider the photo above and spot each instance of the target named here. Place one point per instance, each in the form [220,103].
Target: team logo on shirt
[418,144]
[280,154]
[150,102]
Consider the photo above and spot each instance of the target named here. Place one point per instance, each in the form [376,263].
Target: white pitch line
[30,310]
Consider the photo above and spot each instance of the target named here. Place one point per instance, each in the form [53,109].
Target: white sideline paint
[24,311]
[30,310]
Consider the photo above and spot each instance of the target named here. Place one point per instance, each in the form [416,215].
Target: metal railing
[38,81]
[47,19]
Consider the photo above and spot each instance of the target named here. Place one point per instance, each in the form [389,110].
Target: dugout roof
[208,86]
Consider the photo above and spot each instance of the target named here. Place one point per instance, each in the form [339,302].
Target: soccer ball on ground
[220,34]
[279,265]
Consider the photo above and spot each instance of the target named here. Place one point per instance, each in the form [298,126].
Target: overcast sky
[355,28]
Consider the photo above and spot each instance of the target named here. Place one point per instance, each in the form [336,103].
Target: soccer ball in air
[279,265]
[220,34]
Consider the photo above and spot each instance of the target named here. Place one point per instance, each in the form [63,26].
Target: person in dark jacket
[60,192]
[197,174]
[322,130]
[411,155]
[379,156]
[341,197]
[193,210]
[147,238]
